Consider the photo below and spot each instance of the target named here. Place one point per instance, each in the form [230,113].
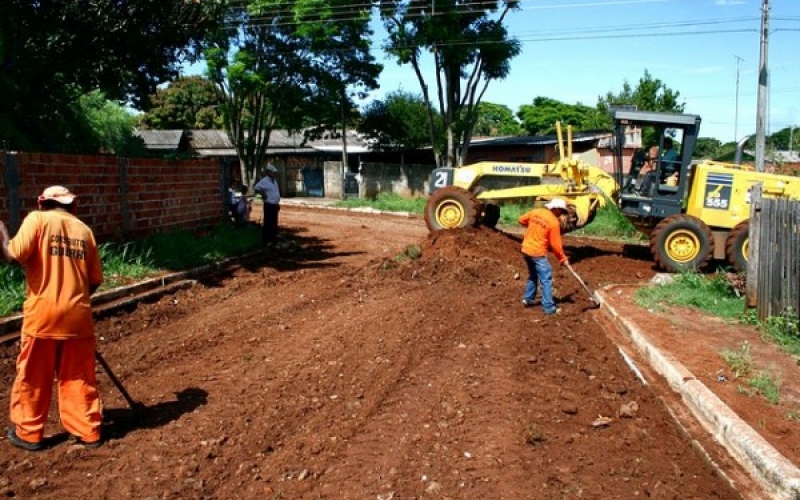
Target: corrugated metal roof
[534,140]
[283,139]
[217,143]
[160,139]
[337,148]
[209,139]
[278,139]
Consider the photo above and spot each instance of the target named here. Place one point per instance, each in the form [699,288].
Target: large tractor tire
[452,207]
[682,243]
[491,215]
[736,246]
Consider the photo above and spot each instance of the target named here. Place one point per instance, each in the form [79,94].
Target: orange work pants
[71,361]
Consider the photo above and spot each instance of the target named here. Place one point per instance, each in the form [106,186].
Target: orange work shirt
[59,255]
[543,233]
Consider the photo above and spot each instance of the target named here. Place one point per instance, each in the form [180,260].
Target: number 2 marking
[441,179]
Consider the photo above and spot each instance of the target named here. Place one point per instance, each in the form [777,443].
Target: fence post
[754,233]
[794,274]
[12,181]
[224,184]
[122,171]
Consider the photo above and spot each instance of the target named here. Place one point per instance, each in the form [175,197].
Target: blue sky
[576,50]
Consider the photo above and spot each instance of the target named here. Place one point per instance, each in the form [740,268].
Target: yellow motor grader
[470,195]
[692,212]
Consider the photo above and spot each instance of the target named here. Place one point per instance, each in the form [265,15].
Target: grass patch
[711,294]
[612,224]
[740,361]
[185,249]
[783,330]
[388,202]
[411,252]
[125,262]
[511,212]
[12,289]
[768,386]
[608,223]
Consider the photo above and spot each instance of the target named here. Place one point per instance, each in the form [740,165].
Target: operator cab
[655,182]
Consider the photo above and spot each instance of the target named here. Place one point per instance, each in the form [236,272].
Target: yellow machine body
[719,193]
[585,187]
[699,212]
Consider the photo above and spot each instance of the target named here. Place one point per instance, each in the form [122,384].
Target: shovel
[134,405]
[592,296]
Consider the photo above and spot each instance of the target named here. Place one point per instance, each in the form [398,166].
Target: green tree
[398,122]
[785,138]
[191,102]
[279,62]
[470,47]
[650,94]
[344,67]
[540,117]
[52,52]
[495,120]
[111,125]
[707,148]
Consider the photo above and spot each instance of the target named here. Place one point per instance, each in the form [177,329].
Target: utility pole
[736,115]
[761,111]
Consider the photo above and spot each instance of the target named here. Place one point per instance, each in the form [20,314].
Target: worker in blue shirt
[669,159]
[269,190]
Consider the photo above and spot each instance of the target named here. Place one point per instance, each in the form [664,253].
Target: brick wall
[117,197]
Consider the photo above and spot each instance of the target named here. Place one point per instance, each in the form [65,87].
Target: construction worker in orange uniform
[543,234]
[62,269]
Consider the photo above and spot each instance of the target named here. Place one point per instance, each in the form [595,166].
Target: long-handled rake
[135,405]
[592,295]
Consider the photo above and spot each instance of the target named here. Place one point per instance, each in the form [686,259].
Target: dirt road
[328,369]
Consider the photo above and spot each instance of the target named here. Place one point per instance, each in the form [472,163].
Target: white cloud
[730,2]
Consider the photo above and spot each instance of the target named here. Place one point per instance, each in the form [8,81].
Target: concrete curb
[774,471]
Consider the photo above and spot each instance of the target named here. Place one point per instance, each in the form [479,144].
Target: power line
[286,9]
[787,90]
[274,21]
[288,5]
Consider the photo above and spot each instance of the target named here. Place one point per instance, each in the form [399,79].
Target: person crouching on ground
[62,268]
[268,188]
[239,209]
[543,234]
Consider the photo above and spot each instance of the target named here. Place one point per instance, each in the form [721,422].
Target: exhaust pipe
[737,159]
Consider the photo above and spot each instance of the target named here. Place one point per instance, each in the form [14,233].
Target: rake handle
[131,402]
[583,284]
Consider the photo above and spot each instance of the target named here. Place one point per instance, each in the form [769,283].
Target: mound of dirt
[470,244]
[471,255]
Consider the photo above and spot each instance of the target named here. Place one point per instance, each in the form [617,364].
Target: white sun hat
[556,203]
[59,194]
